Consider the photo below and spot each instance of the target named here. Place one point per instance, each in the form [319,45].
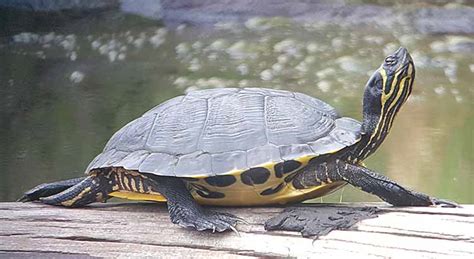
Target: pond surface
[65,89]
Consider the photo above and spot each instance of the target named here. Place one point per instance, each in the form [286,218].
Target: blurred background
[74,72]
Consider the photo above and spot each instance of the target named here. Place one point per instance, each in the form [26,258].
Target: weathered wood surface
[133,229]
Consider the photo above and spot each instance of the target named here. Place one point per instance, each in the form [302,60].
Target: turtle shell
[230,139]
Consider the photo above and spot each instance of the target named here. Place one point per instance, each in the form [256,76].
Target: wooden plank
[142,229]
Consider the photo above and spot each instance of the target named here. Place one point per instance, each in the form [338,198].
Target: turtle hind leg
[91,189]
[185,212]
[48,189]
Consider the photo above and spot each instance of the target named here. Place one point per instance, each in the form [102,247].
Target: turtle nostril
[390,60]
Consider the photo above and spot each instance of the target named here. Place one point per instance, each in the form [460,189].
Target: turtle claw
[24,198]
[212,221]
[445,203]
[241,220]
[220,222]
[232,216]
[235,230]
[35,194]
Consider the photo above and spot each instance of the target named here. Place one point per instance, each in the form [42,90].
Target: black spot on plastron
[221,180]
[286,167]
[257,175]
[210,195]
[298,185]
[271,191]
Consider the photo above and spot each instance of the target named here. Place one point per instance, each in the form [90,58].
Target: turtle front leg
[386,189]
[184,210]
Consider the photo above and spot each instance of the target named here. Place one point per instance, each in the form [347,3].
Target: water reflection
[65,92]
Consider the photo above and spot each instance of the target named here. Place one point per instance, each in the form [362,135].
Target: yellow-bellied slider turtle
[242,147]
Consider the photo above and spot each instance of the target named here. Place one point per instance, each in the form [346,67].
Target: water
[65,89]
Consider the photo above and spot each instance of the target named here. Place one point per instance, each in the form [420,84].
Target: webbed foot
[48,189]
[205,220]
[444,203]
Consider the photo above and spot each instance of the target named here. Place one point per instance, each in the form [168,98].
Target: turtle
[245,147]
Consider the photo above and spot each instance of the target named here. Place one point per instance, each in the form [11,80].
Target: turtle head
[386,91]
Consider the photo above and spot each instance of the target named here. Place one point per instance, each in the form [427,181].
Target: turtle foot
[35,194]
[445,203]
[48,189]
[206,221]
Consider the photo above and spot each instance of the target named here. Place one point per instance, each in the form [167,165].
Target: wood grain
[144,229]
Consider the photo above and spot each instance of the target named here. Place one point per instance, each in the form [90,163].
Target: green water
[64,94]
